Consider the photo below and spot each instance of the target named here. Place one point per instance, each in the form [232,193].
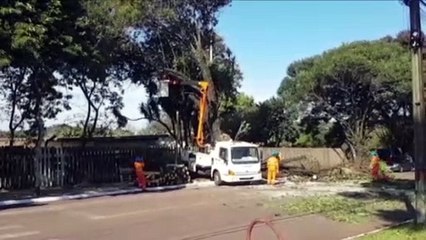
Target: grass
[403,232]
[337,208]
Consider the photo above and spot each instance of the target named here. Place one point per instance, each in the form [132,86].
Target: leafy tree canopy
[358,85]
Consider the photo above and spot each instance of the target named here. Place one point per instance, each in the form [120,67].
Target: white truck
[228,162]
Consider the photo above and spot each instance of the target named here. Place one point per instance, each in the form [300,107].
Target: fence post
[62,157]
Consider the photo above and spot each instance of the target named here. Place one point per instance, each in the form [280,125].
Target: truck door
[222,161]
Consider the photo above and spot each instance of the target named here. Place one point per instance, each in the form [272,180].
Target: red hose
[267,223]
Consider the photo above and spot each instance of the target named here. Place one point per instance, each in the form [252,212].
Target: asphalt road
[404,175]
[209,213]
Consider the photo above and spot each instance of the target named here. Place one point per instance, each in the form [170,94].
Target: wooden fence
[60,167]
[69,166]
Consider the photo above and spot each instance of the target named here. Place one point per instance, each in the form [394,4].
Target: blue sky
[266,36]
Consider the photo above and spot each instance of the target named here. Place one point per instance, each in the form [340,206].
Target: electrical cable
[268,223]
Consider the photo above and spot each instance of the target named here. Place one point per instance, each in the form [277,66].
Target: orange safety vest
[139,166]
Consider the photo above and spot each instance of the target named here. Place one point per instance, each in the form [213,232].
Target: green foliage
[235,113]
[344,96]
[177,39]
[308,140]
[359,85]
[274,121]
[34,37]
[65,131]
[381,138]
[269,122]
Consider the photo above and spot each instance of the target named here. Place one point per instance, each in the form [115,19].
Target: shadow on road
[74,194]
[23,205]
[400,184]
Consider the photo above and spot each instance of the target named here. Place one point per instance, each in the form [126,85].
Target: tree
[234,115]
[35,37]
[154,128]
[177,36]
[97,64]
[355,85]
[12,88]
[294,70]
[272,123]
[66,131]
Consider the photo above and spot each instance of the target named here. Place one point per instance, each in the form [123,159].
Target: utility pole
[419,113]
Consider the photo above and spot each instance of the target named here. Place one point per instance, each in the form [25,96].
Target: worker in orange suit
[378,168]
[273,164]
[375,165]
[140,175]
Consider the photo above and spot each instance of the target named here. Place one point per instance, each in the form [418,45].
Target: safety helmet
[139,159]
[275,153]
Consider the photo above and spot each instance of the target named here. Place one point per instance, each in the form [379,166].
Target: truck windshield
[244,155]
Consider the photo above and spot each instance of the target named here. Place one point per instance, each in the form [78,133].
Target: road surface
[210,213]
[404,175]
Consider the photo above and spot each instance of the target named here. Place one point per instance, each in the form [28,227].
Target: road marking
[18,235]
[8,227]
[125,214]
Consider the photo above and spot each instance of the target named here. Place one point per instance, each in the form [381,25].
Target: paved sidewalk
[21,198]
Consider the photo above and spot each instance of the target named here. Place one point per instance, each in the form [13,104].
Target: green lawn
[404,232]
[337,208]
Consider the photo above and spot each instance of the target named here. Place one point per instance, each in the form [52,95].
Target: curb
[377,230]
[94,194]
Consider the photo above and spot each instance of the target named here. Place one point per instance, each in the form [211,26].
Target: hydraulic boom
[174,79]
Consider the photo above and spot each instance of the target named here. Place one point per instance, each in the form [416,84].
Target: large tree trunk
[95,122]
[38,154]
[40,135]
[11,119]
[87,121]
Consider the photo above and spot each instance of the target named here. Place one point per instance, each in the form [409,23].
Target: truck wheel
[216,178]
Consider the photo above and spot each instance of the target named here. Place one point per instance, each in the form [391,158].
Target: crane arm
[175,78]
[202,114]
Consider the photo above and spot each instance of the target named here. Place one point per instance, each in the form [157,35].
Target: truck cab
[233,162]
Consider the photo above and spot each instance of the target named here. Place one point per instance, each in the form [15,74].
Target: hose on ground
[268,223]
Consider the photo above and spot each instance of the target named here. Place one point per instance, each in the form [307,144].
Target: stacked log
[170,176]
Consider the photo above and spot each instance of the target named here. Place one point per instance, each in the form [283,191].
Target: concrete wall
[314,159]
